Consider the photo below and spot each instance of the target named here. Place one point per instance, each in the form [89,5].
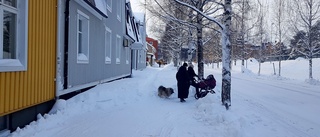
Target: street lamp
[271,32]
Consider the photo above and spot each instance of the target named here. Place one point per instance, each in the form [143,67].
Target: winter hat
[185,64]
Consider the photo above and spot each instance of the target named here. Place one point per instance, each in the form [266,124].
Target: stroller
[205,86]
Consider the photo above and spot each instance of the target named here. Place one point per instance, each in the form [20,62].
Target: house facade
[94,44]
[27,60]
[136,31]
[154,43]
[152,52]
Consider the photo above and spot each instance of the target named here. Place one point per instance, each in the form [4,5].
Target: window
[13,45]
[119,9]
[108,46]
[109,5]
[82,38]
[127,55]
[118,46]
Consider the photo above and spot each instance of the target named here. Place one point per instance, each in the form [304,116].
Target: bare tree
[261,33]
[212,47]
[206,11]
[172,41]
[174,32]
[226,56]
[307,13]
[279,20]
[225,40]
[241,25]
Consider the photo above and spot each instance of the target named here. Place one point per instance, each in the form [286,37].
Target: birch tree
[241,11]
[224,26]
[172,41]
[207,11]
[280,18]
[307,13]
[174,32]
[212,47]
[261,33]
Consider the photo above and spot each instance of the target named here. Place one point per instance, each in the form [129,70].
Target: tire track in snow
[262,106]
[276,118]
[293,87]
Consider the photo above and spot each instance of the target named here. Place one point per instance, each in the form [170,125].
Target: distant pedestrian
[183,82]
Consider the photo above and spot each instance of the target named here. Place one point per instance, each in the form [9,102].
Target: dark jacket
[191,73]
[182,74]
[183,82]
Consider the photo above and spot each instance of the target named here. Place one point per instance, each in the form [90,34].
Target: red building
[154,43]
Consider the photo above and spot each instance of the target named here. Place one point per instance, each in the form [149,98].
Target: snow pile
[211,113]
[58,106]
[312,81]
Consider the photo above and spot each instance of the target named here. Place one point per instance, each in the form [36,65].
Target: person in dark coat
[183,82]
[192,76]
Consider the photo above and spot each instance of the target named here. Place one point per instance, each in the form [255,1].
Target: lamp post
[271,32]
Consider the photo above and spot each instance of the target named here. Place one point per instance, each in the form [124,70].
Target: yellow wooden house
[28,45]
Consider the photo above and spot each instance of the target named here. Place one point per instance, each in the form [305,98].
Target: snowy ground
[262,106]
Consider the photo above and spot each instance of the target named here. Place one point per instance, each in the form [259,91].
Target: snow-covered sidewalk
[131,108]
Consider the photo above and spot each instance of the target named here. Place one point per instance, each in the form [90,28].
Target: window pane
[12,3]
[109,4]
[119,10]
[80,43]
[9,35]
[80,25]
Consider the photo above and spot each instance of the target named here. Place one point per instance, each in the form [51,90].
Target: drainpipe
[66,50]
[60,30]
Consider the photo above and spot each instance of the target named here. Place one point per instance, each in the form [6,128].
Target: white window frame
[127,55]
[19,63]
[139,56]
[118,49]
[109,5]
[108,43]
[119,9]
[83,56]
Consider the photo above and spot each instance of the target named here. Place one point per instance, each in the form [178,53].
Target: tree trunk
[259,68]
[260,58]
[310,68]
[199,42]
[279,68]
[226,57]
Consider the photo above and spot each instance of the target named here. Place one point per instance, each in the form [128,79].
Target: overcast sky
[135,5]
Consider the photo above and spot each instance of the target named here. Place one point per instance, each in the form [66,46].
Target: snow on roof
[139,16]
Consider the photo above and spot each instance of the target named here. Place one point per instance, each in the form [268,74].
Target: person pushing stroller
[192,76]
